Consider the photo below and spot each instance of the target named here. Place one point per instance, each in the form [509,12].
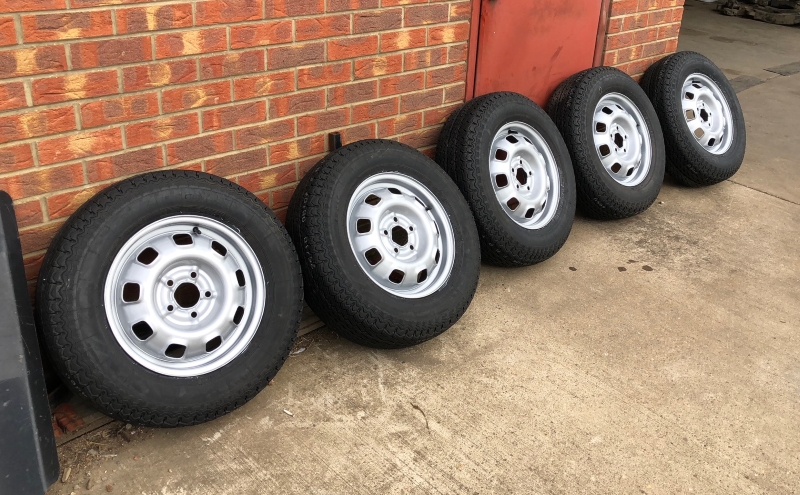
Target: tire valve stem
[196,230]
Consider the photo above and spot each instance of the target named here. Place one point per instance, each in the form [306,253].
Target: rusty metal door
[530,46]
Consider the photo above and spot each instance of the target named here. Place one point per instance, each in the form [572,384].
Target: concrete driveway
[659,354]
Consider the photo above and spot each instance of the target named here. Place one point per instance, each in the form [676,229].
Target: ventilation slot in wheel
[213,343]
[690,115]
[219,248]
[175,351]
[182,239]
[600,127]
[438,255]
[142,330]
[607,111]
[690,96]
[396,276]
[372,200]
[237,317]
[130,292]
[512,203]
[501,180]
[501,155]
[512,139]
[616,167]
[711,141]
[147,256]
[605,150]
[240,278]
[529,213]
[421,276]
[394,190]
[373,256]
[363,226]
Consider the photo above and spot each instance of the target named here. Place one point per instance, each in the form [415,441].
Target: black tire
[468,145]
[338,289]
[572,108]
[687,160]
[70,300]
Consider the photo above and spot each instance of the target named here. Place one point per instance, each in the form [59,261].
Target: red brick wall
[95,90]
[641,32]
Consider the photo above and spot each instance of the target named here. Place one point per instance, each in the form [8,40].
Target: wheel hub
[707,113]
[621,139]
[523,170]
[184,296]
[400,235]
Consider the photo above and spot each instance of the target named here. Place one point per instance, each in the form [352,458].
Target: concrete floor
[658,354]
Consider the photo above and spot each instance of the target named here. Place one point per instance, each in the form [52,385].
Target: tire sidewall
[459,287]
[618,82]
[692,63]
[555,232]
[91,336]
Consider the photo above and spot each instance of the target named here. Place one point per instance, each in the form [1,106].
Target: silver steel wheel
[184,296]
[524,175]
[622,139]
[400,235]
[707,113]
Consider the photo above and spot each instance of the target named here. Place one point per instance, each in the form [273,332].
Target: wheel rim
[401,235]
[184,296]
[524,175]
[622,139]
[707,113]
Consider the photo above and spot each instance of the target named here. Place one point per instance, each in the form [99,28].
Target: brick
[437,116]
[261,34]
[17,157]
[36,124]
[159,74]
[74,87]
[457,53]
[423,138]
[40,181]
[343,94]
[418,101]
[400,124]
[173,100]
[621,40]
[154,18]
[162,129]
[669,31]
[281,197]
[32,264]
[8,33]
[636,21]
[66,25]
[237,163]
[28,213]
[460,11]
[267,179]
[659,17]
[446,75]
[341,5]
[403,2]
[265,133]
[263,85]
[358,133]
[39,237]
[448,34]
[232,64]
[344,48]
[12,95]
[672,45]
[298,148]
[65,204]
[652,49]
[645,35]
[306,164]
[296,103]
[283,8]
[426,58]
[235,115]
[322,27]
[76,146]
[324,75]
[614,25]
[191,42]
[375,110]
[14,6]
[377,20]
[295,55]
[402,83]
[77,4]
[620,7]
[28,61]
[610,58]
[378,66]
[426,14]
[455,93]
[200,147]
[116,51]
[123,109]
[226,11]
[130,163]
[332,119]
[402,40]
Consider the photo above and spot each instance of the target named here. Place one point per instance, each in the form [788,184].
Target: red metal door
[530,46]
